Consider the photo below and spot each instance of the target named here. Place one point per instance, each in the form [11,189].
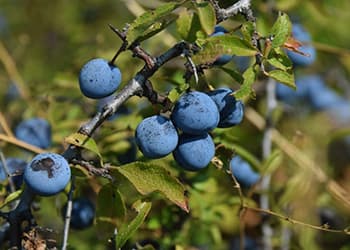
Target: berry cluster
[195,114]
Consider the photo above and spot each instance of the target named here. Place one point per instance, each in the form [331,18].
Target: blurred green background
[49,41]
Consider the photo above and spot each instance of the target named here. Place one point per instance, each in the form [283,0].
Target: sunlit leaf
[206,15]
[128,229]
[11,197]
[286,77]
[188,25]
[247,30]
[83,141]
[278,58]
[151,22]
[213,47]
[280,30]
[148,178]
[246,89]
[175,93]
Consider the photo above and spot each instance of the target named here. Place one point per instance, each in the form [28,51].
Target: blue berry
[340,112]
[47,174]
[35,131]
[156,136]
[195,113]
[194,152]
[15,168]
[243,172]
[83,213]
[321,97]
[303,36]
[231,110]
[223,59]
[98,79]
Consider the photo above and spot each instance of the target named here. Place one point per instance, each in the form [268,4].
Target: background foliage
[49,41]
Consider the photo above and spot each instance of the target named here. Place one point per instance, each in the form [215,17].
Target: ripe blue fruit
[47,174]
[223,59]
[231,110]
[195,113]
[303,36]
[15,169]
[303,86]
[320,96]
[83,213]
[156,136]
[243,172]
[194,152]
[98,79]
[340,112]
[35,131]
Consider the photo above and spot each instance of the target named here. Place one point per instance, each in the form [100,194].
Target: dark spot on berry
[46,164]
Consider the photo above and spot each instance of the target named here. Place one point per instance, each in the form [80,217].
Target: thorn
[193,66]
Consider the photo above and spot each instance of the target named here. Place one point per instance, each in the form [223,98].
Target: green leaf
[151,22]
[11,197]
[188,25]
[175,93]
[113,209]
[83,141]
[128,229]
[207,16]
[278,58]
[215,46]
[280,30]
[247,30]
[286,77]
[246,89]
[148,178]
[234,74]
[273,161]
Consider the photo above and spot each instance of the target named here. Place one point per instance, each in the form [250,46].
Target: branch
[68,214]
[134,87]
[266,152]
[223,14]
[103,172]
[296,222]
[19,143]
